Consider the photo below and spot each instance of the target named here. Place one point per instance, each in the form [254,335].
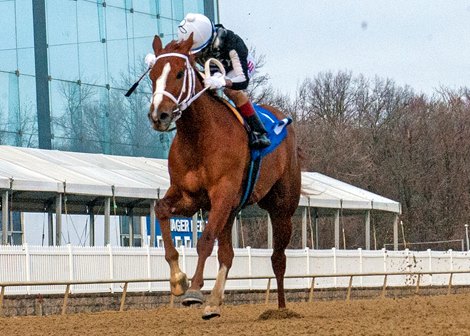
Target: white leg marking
[219,287]
[160,87]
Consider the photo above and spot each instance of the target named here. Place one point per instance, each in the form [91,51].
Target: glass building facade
[66,64]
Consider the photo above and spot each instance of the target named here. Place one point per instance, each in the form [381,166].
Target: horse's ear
[186,45]
[157,44]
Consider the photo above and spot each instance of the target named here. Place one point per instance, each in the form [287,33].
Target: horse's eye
[180,74]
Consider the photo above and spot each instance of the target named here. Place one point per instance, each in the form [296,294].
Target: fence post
[28,267]
[123,297]
[430,265]
[408,264]
[312,287]
[248,248]
[361,262]
[451,259]
[385,260]
[69,247]
[2,294]
[384,286]
[418,283]
[111,266]
[66,298]
[266,301]
[307,253]
[348,296]
[334,266]
[149,268]
[5,215]
[449,287]
[183,257]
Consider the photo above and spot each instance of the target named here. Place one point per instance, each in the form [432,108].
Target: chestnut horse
[208,164]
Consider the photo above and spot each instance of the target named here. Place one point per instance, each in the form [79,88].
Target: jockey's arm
[237,78]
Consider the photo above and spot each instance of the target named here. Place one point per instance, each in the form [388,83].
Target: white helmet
[201,27]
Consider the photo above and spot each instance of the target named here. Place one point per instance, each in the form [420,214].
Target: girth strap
[250,182]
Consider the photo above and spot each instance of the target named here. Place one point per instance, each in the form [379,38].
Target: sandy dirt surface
[436,315]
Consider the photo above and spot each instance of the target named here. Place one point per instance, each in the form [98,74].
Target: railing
[28,264]
[68,284]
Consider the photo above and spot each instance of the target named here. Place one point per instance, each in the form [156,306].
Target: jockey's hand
[216,81]
[150,60]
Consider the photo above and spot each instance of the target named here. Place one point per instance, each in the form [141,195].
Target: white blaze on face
[160,86]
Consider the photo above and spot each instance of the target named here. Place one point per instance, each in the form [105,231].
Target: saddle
[276,132]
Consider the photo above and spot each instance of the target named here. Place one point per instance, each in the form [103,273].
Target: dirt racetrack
[419,315]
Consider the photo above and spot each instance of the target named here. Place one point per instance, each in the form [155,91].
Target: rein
[189,84]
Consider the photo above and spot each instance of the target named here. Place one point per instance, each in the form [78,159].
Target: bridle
[187,93]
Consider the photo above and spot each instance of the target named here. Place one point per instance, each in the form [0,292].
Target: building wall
[94,52]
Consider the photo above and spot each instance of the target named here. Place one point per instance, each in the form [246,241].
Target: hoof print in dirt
[278,314]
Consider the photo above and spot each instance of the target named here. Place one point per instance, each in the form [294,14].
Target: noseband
[189,84]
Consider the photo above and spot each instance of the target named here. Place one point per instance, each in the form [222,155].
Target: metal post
[270,233]
[58,220]
[317,233]
[107,220]
[337,228]
[50,227]
[367,219]
[152,223]
[395,233]
[235,243]
[5,212]
[466,236]
[92,226]
[130,222]
[23,236]
[304,227]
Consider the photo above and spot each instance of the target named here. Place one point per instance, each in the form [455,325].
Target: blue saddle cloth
[276,132]
[275,128]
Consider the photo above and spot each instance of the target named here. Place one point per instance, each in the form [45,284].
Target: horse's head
[173,82]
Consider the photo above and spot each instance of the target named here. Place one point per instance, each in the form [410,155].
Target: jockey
[214,41]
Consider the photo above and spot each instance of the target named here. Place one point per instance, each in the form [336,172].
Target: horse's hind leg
[225,256]
[282,229]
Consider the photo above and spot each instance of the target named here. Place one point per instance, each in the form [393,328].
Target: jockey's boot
[257,136]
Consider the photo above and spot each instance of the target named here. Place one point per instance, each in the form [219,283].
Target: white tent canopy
[326,192]
[29,172]
[35,180]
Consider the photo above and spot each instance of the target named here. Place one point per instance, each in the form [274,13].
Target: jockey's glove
[214,82]
[150,60]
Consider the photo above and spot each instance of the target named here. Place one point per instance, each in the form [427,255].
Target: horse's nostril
[164,116]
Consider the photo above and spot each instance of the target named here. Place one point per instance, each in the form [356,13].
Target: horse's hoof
[192,297]
[210,312]
[180,285]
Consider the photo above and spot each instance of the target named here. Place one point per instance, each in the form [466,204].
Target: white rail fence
[70,263]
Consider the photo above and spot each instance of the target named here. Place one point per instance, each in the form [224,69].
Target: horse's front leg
[173,203]
[225,255]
